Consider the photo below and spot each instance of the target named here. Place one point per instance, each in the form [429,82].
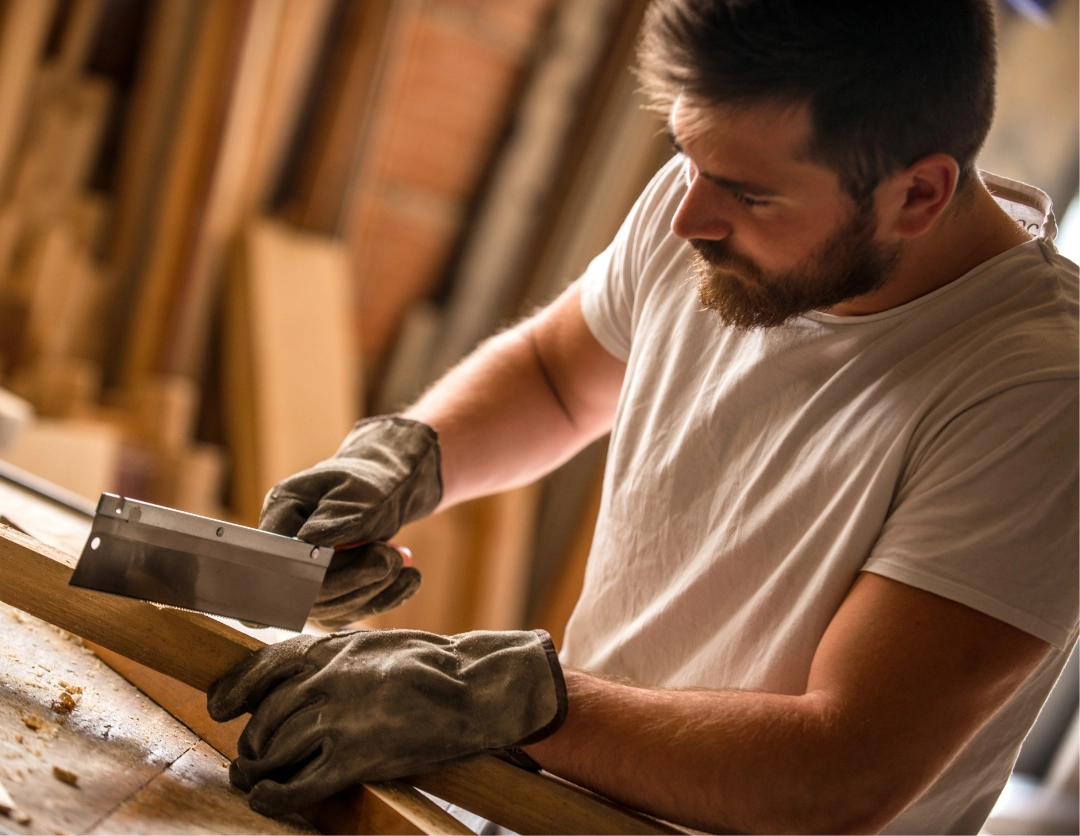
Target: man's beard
[847,265]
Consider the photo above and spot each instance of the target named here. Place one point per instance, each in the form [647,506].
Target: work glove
[385,474]
[334,711]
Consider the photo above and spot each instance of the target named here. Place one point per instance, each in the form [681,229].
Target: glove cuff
[562,704]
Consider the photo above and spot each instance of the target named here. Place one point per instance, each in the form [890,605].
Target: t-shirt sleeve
[987,515]
[611,284]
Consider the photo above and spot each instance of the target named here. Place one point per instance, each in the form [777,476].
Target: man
[835,570]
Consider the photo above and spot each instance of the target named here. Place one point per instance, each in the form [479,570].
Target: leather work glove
[333,711]
[385,474]
[363,581]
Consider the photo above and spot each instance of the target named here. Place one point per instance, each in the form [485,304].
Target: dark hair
[886,81]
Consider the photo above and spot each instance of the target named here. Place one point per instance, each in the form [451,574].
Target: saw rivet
[95,543]
[315,553]
[220,532]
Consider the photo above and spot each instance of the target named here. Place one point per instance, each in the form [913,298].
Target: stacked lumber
[216,250]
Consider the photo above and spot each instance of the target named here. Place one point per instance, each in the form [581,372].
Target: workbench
[83,750]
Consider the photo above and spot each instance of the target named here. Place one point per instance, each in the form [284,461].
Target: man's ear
[911,200]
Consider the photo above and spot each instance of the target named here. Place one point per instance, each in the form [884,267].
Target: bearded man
[835,571]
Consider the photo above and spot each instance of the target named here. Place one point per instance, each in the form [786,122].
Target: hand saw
[170,557]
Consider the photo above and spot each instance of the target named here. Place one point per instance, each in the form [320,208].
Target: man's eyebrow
[737,186]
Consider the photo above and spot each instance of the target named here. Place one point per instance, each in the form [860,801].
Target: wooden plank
[187,176]
[504,558]
[541,804]
[192,648]
[558,605]
[149,131]
[296,397]
[80,455]
[196,650]
[22,38]
[300,37]
[227,203]
[343,109]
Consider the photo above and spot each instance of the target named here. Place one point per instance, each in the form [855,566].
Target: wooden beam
[348,812]
[196,650]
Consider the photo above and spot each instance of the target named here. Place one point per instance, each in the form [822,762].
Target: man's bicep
[910,676]
[585,377]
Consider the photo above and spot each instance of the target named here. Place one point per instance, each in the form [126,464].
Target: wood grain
[192,648]
[196,649]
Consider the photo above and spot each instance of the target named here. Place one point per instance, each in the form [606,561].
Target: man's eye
[748,201]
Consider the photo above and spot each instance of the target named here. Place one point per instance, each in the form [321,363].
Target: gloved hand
[363,581]
[385,474]
[375,705]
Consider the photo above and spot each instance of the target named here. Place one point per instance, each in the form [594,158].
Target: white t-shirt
[752,475]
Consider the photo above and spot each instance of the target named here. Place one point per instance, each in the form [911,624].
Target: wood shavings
[65,776]
[17,616]
[18,738]
[33,721]
[71,689]
[64,704]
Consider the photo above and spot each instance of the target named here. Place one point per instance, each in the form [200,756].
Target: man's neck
[972,231]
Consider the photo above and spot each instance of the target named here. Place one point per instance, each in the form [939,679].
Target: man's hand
[386,473]
[374,705]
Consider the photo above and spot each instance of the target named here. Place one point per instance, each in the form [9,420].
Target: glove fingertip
[269,798]
[237,777]
[223,702]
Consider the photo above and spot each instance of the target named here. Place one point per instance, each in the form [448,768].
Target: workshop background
[230,228]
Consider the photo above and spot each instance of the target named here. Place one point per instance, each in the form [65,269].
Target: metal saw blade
[145,551]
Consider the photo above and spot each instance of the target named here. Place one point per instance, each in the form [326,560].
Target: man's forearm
[716,760]
[499,420]
[522,403]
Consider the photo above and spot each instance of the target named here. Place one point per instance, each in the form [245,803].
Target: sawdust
[17,616]
[65,776]
[71,689]
[18,738]
[33,721]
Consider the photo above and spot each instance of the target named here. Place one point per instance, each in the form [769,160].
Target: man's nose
[700,214]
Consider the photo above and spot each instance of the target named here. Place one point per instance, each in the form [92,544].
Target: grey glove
[385,474]
[375,705]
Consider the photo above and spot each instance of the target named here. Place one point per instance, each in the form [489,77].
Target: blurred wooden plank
[141,192]
[187,177]
[344,108]
[228,201]
[79,32]
[558,605]
[22,38]
[300,38]
[292,392]
[61,144]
